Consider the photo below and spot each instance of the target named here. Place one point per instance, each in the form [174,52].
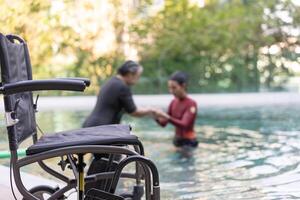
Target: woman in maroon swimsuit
[182,112]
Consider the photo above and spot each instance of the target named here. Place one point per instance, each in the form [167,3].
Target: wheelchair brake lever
[35,103]
[10,117]
[63,163]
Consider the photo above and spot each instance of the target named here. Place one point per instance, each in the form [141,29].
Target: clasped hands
[158,113]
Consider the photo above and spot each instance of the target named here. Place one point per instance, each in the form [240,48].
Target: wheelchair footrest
[94,194]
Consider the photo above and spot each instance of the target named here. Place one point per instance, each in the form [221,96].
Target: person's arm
[126,100]
[141,112]
[162,118]
[162,121]
[188,117]
[129,105]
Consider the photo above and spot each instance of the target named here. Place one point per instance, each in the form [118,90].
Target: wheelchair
[69,146]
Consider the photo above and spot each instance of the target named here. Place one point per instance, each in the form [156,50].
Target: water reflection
[244,153]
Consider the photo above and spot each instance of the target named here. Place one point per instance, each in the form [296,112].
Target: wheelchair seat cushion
[98,135]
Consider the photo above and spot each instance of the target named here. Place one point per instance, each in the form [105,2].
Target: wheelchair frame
[145,168]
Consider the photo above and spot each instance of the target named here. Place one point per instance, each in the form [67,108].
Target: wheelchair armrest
[85,80]
[36,85]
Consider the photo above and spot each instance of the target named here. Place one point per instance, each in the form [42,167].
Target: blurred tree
[219,45]
[69,38]
[225,45]
[33,21]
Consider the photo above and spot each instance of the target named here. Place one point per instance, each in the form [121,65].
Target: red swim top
[183,113]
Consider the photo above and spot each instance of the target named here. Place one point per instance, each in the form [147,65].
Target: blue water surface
[244,152]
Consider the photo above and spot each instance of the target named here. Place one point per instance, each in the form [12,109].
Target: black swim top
[114,98]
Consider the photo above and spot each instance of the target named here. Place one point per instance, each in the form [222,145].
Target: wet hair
[180,77]
[129,67]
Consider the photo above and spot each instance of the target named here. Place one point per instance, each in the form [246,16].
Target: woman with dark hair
[182,112]
[115,97]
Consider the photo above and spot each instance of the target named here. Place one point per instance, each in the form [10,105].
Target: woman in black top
[115,97]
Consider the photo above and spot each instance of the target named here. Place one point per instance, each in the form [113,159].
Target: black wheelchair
[69,146]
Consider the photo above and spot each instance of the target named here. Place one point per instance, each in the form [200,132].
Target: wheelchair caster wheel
[43,192]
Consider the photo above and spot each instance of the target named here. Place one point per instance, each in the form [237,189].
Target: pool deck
[6,192]
[86,103]
[29,181]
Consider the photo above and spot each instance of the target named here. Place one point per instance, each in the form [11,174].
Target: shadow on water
[244,153]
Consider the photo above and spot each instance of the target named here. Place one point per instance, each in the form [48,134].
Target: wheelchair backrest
[15,67]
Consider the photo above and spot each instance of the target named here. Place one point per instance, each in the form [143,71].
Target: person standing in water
[182,112]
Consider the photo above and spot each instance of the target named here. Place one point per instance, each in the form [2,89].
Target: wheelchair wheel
[43,192]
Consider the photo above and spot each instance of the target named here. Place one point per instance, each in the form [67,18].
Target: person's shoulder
[173,101]
[111,81]
[122,87]
[116,82]
[191,101]
[192,105]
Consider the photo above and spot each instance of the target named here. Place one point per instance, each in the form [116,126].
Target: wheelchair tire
[44,192]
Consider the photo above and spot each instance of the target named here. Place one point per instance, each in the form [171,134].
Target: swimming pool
[244,152]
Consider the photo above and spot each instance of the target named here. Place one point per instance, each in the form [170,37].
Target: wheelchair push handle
[86,81]
[38,85]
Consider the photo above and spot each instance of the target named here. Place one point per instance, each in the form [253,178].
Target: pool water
[243,153]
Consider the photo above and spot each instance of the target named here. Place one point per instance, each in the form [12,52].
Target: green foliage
[61,41]
[219,45]
[225,46]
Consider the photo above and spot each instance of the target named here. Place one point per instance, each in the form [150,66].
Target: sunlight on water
[244,153]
